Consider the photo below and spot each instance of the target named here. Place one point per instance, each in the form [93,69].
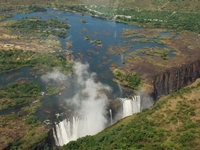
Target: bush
[31,120]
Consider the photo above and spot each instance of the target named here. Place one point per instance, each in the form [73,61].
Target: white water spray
[111,118]
[89,102]
[120,89]
[131,106]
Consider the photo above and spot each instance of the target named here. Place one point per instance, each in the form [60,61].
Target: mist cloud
[86,97]
[54,76]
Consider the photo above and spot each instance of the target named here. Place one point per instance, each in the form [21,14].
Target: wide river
[109,32]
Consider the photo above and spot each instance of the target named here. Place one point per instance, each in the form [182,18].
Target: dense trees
[43,27]
[15,59]
[131,80]
[19,93]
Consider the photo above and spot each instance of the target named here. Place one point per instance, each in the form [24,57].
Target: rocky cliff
[175,78]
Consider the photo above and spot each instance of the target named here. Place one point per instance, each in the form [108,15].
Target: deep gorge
[175,78]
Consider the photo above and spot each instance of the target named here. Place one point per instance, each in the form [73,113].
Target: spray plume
[89,102]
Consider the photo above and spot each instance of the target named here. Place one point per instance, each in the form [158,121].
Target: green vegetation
[172,20]
[31,120]
[35,8]
[77,8]
[97,41]
[131,57]
[23,130]
[52,90]
[39,24]
[86,37]
[32,17]
[172,123]
[131,80]
[14,59]
[19,93]
[5,16]
[118,49]
[159,19]
[143,40]
[42,27]
[82,21]
[164,19]
[163,53]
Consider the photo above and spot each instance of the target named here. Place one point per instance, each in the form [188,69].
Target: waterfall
[131,106]
[66,131]
[120,89]
[90,123]
[55,137]
[76,127]
[111,118]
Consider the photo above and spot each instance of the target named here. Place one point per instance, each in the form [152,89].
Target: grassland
[31,33]
[19,93]
[172,123]
[14,59]
[36,26]
[22,130]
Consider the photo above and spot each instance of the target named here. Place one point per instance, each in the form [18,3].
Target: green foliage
[82,21]
[177,21]
[78,8]
[134,80]
[52,90]
[46,147]
[19,93]
[186,137]
[40,27]
[158,127]
[16,145]
[182,91]
[131,80]
[5,16]
[14,59]
[160,19]
[31,119]
[97,41]
[36,9]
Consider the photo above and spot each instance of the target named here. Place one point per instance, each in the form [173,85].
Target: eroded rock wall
[175,78]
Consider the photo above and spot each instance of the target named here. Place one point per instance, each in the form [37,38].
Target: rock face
[175,78]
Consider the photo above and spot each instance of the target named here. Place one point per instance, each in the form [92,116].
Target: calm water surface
[99,60]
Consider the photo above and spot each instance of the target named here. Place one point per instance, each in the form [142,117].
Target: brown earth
[170,75]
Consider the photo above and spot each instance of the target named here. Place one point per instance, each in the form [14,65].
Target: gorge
[176,78]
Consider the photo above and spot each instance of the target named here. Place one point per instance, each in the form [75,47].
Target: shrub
[31,119]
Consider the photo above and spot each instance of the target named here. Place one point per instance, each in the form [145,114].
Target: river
[98,58]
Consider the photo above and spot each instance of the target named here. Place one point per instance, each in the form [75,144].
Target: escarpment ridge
[175,78]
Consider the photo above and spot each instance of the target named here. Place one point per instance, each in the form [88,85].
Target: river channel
[98,58]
